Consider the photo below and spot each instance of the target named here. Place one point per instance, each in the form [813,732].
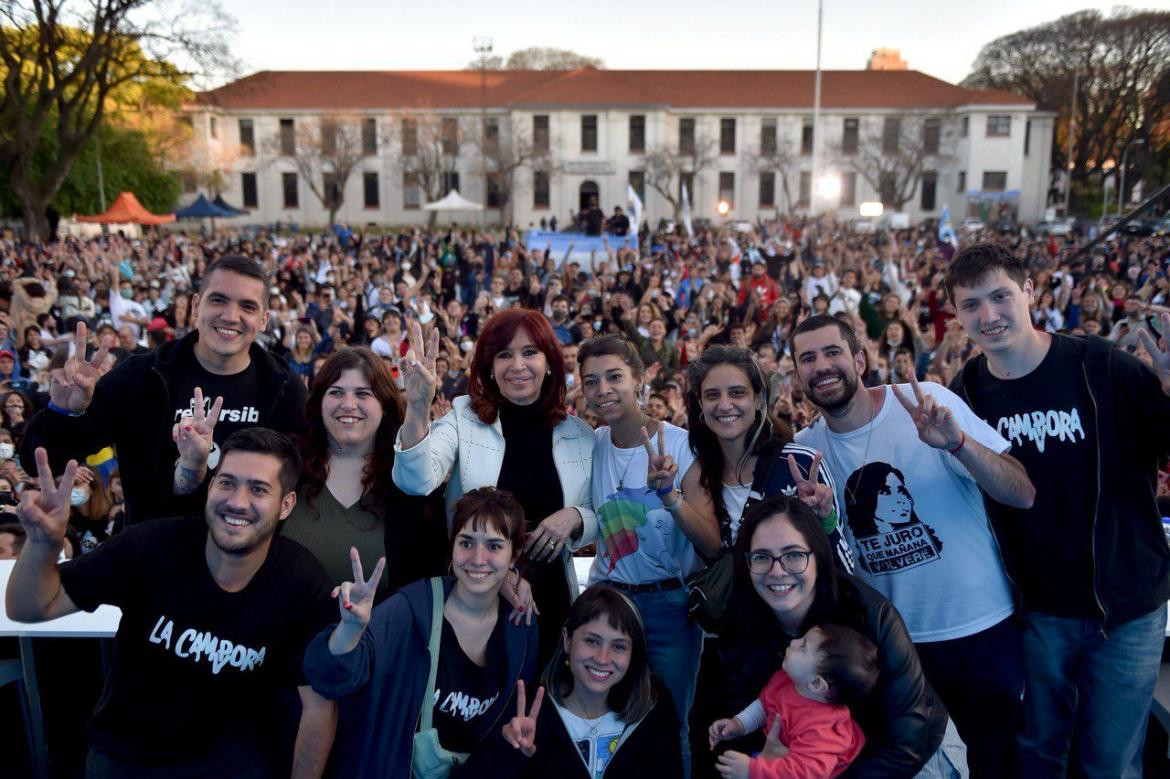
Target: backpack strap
[436,634]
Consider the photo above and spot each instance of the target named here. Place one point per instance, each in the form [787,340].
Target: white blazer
[467,453]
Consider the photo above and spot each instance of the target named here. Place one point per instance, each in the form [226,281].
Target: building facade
[536,144]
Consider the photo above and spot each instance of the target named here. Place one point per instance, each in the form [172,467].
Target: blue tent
[221,203]
[202,208]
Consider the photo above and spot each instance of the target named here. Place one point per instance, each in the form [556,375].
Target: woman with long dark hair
[598,711]
[510,431]
[784,583]
[346,497]
[742,451]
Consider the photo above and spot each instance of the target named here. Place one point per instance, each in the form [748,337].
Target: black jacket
[648,748]
[903,719]
[1131,560]
[132,411]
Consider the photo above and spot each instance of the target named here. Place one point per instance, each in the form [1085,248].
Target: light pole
[1121,189]
[483,47]
[816,130]
[1072,131]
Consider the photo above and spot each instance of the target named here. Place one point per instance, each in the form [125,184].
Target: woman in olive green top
[346,496]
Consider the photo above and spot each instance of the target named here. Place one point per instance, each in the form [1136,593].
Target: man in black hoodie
[148,401]
[1089,559]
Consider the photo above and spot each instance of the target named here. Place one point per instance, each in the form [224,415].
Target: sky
[939,37]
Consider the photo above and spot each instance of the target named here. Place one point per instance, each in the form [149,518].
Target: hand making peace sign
[1160,359]
[660,466]
[937,426]
[72,386]
[815,494]
[521,731]
[356,598]
[45,514]
[194,436]
[418,369]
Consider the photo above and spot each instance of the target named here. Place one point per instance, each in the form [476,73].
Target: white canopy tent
[453,201]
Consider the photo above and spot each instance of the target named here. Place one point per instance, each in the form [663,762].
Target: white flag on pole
[686,209]
[635,208]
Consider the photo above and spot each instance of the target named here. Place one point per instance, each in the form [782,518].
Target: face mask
[597,326]
[6,451]
[127,293]
[466,345]
[78,496]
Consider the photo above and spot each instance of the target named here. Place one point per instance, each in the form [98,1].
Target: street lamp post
[816,130]
[483,47]
[1121,189]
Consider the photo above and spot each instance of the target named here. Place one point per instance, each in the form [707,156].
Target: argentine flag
[946,233]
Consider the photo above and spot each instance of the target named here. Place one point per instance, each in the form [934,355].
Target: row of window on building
[769,197]
[447,136]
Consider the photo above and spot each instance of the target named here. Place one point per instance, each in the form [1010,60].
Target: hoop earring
[702,418]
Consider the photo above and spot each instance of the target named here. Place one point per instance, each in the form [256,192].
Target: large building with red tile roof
[552,141]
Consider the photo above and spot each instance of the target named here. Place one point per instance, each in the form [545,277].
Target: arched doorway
[588,192]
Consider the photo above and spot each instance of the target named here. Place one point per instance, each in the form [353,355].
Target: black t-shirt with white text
[464,691]
[1048,418]
[242,404]
[194,664]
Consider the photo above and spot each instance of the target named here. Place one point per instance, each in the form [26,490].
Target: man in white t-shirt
[909,463]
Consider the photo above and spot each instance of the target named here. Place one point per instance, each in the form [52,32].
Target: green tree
[62,63]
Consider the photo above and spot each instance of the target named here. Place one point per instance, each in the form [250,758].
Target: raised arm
[999,475]
[34,591]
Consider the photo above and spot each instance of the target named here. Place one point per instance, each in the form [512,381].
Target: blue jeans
[673,646]
[1088,687]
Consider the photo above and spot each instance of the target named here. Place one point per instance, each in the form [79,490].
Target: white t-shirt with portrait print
[916,520]
[596,739]
[638,540]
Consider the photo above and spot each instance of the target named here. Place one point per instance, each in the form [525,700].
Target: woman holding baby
[799,642]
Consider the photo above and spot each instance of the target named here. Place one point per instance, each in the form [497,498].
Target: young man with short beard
[216,613]
[1089,559]
[909,471]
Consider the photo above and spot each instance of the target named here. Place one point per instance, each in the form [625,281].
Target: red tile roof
[678,89]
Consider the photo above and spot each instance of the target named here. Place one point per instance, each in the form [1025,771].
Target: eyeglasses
[794,561]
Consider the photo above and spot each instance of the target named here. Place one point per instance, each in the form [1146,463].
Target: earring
[491,377]
[548,372]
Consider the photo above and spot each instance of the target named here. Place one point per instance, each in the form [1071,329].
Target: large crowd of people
[837,489]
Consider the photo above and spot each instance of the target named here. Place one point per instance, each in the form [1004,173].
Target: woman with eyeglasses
[785,583]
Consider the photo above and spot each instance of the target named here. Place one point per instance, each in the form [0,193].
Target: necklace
[613,454]
[850,494]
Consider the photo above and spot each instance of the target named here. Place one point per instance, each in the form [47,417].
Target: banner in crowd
[587,250]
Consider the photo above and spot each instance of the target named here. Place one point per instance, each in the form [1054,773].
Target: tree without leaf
[503,156]
[780,159]
[894,158]
[666,166]
[325,153]
[429,146]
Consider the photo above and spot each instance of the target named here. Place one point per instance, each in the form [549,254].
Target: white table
[102,623]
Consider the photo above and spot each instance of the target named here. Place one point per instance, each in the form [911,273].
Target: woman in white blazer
[512,432]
